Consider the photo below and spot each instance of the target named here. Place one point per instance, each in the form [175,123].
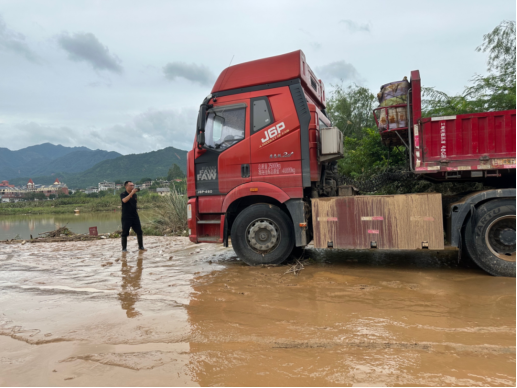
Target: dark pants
[137,228]
[131,223]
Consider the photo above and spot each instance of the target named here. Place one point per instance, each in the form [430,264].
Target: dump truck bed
[477,141]
[473,145]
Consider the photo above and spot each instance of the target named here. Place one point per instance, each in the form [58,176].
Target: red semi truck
[262,172]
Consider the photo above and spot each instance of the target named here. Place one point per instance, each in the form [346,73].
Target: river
[24,226]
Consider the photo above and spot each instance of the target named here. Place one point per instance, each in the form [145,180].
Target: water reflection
[131,278]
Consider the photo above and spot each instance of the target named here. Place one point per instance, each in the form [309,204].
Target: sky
[129,76]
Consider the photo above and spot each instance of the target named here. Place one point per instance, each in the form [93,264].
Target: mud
[82,314]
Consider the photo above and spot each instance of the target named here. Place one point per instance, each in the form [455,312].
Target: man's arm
[128,197]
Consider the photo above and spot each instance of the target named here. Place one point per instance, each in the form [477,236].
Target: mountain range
[110,167]
[48,159]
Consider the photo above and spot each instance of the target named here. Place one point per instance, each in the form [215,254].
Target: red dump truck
[262,172]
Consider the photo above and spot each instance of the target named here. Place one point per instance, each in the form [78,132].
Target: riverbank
[159,216]
[67,205]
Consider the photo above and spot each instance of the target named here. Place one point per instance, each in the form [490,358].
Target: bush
[170,215]
[367,155]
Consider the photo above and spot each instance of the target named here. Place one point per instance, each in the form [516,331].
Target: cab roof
[269,70]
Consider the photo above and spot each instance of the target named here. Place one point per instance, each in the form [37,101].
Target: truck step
[209,239]
[209,222]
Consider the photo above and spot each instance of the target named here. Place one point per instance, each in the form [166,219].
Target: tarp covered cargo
[393,93]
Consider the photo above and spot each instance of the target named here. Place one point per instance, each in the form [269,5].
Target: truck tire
[490,237]
[262,234]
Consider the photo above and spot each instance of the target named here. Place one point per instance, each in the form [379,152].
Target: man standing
[130,217]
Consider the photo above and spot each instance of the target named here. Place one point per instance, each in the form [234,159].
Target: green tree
[493,92]
[368,155]
[175,173]
[350,109]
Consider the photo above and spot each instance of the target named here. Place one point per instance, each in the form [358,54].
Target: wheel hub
[507,236]
[500,238]
[263,235]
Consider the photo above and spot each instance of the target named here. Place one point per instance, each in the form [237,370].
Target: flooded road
[81,313]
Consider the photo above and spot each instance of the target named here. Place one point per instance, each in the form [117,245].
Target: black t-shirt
[128,208]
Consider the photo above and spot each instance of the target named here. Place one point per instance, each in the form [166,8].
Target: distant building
[163,191]
[118,186]
[10,192]
[5,184]
[56,188]
[146,184]
[91,190]
[103,186]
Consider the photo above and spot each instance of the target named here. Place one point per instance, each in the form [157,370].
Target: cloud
[355,27]
[87,48]
[15,43]
[195,73]
[315,45]
[148,131]
[338,71]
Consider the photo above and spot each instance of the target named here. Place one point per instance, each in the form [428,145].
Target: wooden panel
[391,221]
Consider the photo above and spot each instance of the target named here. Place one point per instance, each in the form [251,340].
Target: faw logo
[207,174]
[271,133]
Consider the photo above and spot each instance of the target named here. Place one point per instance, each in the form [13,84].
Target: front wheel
[262,234]
[490,237]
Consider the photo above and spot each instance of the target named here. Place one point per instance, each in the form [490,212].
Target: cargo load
[392,96]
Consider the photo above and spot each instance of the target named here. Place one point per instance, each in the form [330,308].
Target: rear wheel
[262,234]
[490,237]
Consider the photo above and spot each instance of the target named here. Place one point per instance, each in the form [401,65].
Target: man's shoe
[124,250]
[142,249]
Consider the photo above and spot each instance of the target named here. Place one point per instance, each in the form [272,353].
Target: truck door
[224,162]
[275,141]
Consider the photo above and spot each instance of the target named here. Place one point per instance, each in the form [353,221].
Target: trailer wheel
[262,234]
[490,237]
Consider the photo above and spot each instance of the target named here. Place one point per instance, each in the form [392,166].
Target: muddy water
[80,314]
[23,226]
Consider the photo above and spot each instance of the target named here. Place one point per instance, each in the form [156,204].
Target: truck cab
[257,142]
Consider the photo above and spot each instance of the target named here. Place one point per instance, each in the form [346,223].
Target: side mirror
[201,122]
[201,139]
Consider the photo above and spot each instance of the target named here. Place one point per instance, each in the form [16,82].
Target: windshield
[224,128]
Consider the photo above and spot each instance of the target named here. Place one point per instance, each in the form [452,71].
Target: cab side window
[261,115]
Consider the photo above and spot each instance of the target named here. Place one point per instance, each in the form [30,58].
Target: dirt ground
[82,314]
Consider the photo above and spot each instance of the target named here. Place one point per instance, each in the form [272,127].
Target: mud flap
[296,209]
[225,232]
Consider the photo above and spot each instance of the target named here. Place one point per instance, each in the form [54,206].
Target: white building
[163,191]
[91,190]
[103,186]
[146,185]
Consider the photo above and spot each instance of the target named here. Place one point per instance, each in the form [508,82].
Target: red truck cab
[260,143]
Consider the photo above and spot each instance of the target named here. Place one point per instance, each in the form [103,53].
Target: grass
[170,216]
[67,205]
